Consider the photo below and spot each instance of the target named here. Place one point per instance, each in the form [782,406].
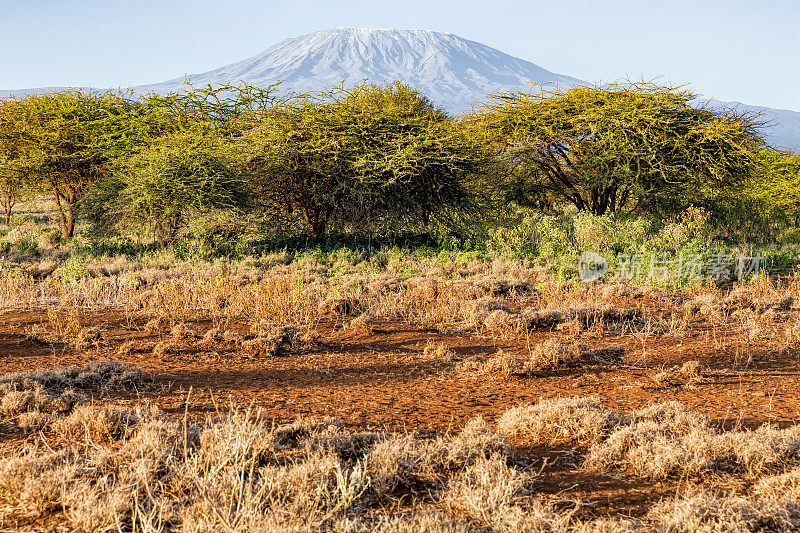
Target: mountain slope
[781,126]
[452,71]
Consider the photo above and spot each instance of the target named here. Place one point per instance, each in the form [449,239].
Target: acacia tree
[11,178]
[176,179]
[11,189]
[779,182]
[360,154]
[617,148]
[224,110]
[65,140]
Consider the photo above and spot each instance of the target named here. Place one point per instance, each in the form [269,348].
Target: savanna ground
[389,391]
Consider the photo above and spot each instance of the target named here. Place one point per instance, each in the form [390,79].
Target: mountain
[37,90]
[781,127]
[452,71]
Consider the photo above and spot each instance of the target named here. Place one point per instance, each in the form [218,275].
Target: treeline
[380,158]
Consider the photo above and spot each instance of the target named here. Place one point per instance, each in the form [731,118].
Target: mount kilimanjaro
[452,71]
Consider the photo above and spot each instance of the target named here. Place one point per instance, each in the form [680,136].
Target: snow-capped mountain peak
[454,72]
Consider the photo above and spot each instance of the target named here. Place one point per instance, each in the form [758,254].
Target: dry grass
[562,421]
[668,441]
[440,352]
[80,465]
[711,513]
[122,468]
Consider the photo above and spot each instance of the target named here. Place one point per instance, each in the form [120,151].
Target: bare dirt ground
[384,381]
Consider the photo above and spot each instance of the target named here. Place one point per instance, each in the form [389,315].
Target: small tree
[11,191]
[174,180]
[618,148]
[12,184]
[62,141]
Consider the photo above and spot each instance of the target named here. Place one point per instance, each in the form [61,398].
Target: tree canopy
[361,155]
[176,179]
[61,141]
[617,148]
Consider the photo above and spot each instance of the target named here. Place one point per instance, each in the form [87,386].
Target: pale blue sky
[731,50]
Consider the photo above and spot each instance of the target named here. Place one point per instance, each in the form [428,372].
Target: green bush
[176,181]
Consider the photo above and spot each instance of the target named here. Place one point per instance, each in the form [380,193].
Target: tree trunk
[317,219]
[66,214]
[69,230]
[7,207]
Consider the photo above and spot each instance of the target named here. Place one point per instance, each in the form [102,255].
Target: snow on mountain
[453,72]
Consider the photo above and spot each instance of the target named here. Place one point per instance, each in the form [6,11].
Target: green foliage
[780,183]
[361,156]
[61,141]
[377,169]
[638,146]
[175,180]
[224,110]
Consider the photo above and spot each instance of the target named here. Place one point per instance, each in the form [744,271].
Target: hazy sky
[731,50]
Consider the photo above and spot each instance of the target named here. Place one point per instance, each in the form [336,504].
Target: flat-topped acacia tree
[63,141]
[617,148]
[359,155]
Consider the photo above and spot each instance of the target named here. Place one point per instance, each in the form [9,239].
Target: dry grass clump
[104,468]
[487,492]
[554,353]
[499,366]
[439,352]
[405,461]
[363,323]
[162,348]
[276,341]
[103,473]
[704,305]
[213,336]
[127,348]
[52,391]
[233,337]
[154,325]
[543,319]
[37,400]
[476,312]
[574,420]
[710,513]
[294,433]
[589,316]
[669,441]
[341,306]
[780,487]
[184,330]
[88,338]
[509,323]
[504,324]
[501,286]
[101,424]
[686,375]
[550,354]
[624,290]
[116,468]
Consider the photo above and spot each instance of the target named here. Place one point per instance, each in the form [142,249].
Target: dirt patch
[383,378]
